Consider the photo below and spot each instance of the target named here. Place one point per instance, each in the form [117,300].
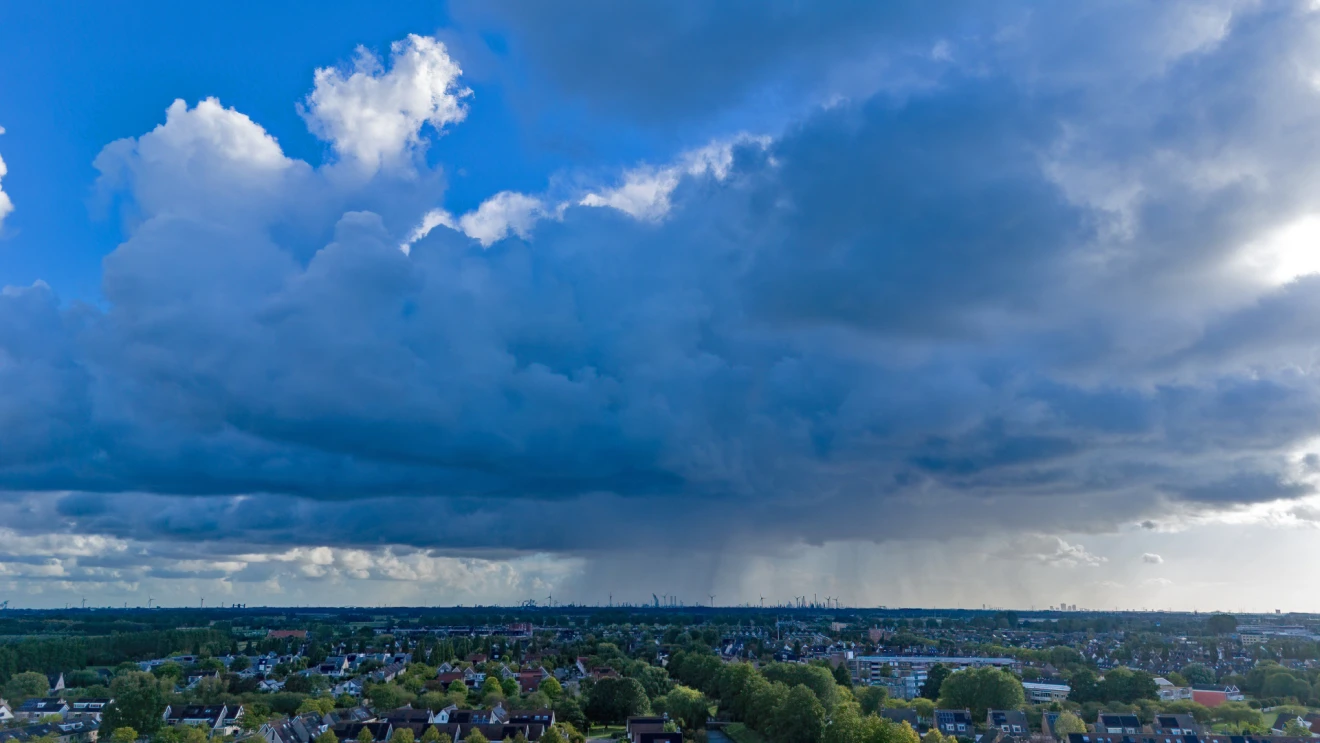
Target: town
[656,674]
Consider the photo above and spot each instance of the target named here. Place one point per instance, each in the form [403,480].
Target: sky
[990,303]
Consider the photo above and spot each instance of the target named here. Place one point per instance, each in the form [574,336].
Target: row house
[219,719]
[38,709]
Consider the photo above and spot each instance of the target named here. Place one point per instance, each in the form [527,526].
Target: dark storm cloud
[1247,487]
[666,60]
[904,307]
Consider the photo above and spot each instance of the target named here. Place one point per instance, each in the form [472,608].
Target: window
[961,727]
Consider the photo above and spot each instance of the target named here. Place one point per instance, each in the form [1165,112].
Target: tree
[904,734]
[82,679]
[934,680]
[925,708]
[551,687]
[801,719]
[1199,712]
[1085,687]
[569,711]
[327,736]
[871,698]
[1067,723]
[510,687]
[474,736]
[1238,714]
[842,677]
[1221,624]
[819,680]
[25,685]
[138,703]
[387,696]
[1196,673]
[845,725]
[616,699]
[552,735]
[1284,685]
[981,689]
[240,663]
[433,735]
[1295,729]
[1127,686]
[654,680]
[322,705]
[124,735]
[491,686]
[402,735]
[365,736]
[935,736]
[766,700]
[687,705]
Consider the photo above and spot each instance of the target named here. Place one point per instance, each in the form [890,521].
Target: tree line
[52,655]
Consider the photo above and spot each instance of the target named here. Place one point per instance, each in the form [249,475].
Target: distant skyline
[979,303]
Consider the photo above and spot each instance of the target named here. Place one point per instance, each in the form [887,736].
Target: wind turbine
[712,600]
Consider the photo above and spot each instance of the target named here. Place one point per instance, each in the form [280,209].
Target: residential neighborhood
[665,676]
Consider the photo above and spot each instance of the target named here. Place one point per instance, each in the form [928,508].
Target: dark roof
[1167,720]
[56,729]
[407,715]
[675,737]
[902,714]
[1148,738]
[212,712]
[43,703]
[497,732]
[471,716]
[352,714]
[1119,720]
[1001,717]
[351,730]
[946,716]
[532,715]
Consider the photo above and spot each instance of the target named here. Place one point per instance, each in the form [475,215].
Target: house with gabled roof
[38,708]
[1010,721]
[954,722]
[216,718]
[1118,723]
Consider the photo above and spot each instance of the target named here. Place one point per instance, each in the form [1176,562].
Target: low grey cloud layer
[1058,282]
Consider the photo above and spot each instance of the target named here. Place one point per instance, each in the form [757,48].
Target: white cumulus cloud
[645,191]
[374,116]
[6,206]
[501,214]
[1152,558]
